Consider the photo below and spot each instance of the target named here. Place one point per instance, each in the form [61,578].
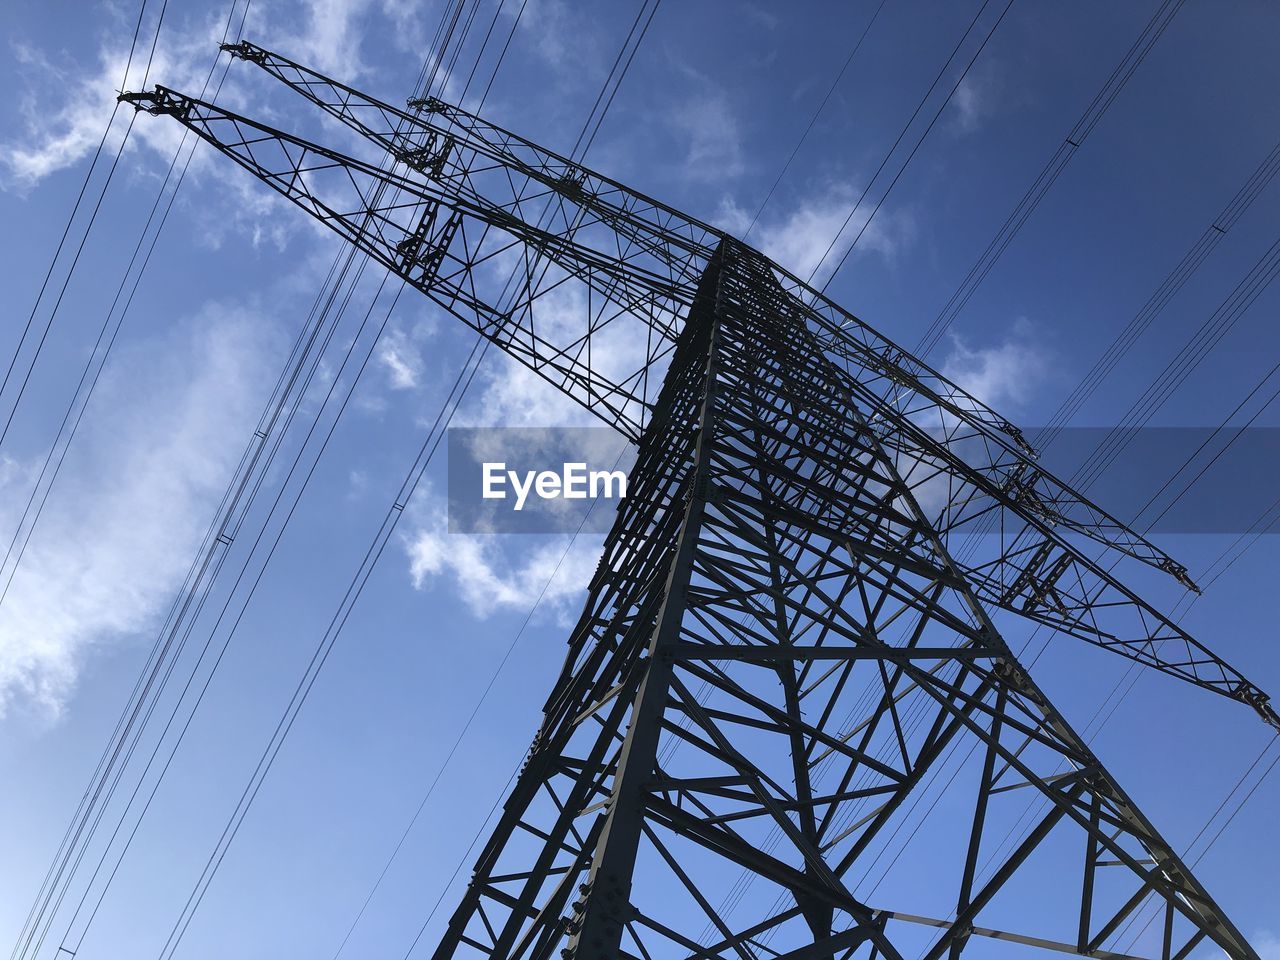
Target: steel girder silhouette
[790,625]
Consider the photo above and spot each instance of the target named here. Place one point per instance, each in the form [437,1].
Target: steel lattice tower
[788,627]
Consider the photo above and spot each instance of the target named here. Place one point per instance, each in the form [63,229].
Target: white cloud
[330,38]
[512,395]
[761,16]
[65,105]
[490,576]
[1004,375]
[967,105]
[554,30]
[799,239]
[399,356]
[976,99]
[1267,946]
[167,424]
[409,19]
[706,123]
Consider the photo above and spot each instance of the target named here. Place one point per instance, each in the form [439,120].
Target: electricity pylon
[790,629]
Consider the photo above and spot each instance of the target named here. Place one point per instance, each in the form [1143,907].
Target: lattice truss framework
[782,637]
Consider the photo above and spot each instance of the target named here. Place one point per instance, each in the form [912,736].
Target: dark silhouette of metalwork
[791,623]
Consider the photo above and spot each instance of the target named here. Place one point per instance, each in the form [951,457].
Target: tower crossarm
[443,140]
[1026,564]
[596,324]
[586,285]
[428,133]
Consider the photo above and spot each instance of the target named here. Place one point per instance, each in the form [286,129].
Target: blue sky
[713,105]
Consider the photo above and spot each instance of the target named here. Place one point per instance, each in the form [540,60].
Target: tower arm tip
[1262,704]
[156,101]
[244,50]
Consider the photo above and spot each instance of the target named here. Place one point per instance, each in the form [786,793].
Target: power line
[323,648]
[1200,856]
[1218,227]
[1203,340]
[903,132]
[75,260]
[1097,108]
[98,357]
[197,895]
[902,169]
[814,119]
[84,186]
[466,727]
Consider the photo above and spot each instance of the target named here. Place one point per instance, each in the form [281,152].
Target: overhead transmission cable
[272,513]
[260,479]
[321,653]
[1097,108]
[502,55]
[96,362]
[225,537]
[1195,862]
[466,726]
[844,67]
[318,660]
[1202,342]
[32,920]
[84,187]
[80,247]
[937,115]
[1105,455]
[1218,227]
[471,75]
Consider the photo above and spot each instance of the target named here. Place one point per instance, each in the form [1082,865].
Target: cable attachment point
[425,104]
[156,102]
[1017,436]
[244,50]
[1248,693]
[1179,573]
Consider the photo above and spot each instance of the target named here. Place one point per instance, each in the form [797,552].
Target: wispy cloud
[1004,375]
[490,577]
[977,98]
[65,104]
[167,424]
[555,34]
[1267,945]
[410,21]
[799,239]
[329,34]
[400,358]
[492,573]
[709,129]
